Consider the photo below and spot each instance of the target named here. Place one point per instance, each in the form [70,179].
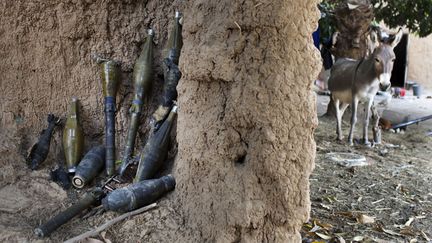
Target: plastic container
[399,92]
[409,85]
[416,90]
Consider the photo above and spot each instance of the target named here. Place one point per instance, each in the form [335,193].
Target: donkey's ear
[372,41]
[397,38]
[373,36]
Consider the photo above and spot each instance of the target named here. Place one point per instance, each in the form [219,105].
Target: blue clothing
[316,38]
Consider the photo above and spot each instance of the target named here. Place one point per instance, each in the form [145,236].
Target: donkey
[353,81]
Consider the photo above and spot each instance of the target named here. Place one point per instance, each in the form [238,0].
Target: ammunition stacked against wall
[89,167]
[145,190]
[90,199]
[142,77]
[156,149]
[172,73]
[138,195]
[39,151]
[110,76]
[73,137]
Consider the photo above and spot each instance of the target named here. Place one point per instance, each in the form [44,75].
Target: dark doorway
[399,74]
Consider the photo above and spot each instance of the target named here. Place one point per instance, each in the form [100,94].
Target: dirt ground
[388,200]
[30,198]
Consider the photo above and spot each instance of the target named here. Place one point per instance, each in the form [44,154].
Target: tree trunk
[246,121]
[353,27]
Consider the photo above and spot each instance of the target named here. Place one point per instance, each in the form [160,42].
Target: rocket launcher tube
[90,199]
[110,76]
[142,77]
[138,194]
[156,150]
[89,167]
[130,142]
[73,137]
[110,135]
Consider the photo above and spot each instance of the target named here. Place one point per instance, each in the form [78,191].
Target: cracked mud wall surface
[245,130]
[45,47]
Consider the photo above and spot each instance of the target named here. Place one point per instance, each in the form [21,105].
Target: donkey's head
[384,58]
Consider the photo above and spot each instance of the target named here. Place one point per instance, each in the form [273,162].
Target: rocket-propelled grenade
[142,77]
[89,167]
[172,73]
[110,75]
[156,149]
[139,194]
[39,151]
[73,137]
[175,40]
[90,199]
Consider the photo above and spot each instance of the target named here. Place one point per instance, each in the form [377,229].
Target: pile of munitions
[146,188]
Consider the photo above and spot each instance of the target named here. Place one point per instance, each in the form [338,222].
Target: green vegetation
[415,15]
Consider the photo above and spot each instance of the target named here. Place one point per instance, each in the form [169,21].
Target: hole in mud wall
[240,159]
[399,73]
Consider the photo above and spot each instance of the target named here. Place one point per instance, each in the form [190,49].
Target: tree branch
[109,223]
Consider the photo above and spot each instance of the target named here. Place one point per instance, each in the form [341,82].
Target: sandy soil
[388,200]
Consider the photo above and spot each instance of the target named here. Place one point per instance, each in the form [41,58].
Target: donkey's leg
[375,125]
[344,106]
[354,106]
[366,122]
[342,109]
[336,103]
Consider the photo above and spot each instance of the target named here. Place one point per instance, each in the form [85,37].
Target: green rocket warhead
[175,40]
[110,75]
[172,73]
[156,150]
[73,137]
[90,199]
[142,77]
